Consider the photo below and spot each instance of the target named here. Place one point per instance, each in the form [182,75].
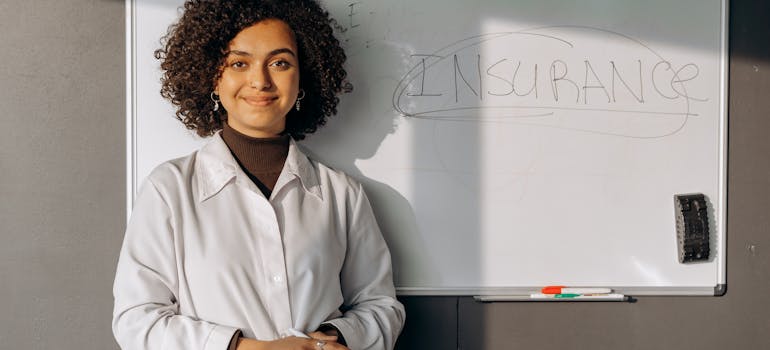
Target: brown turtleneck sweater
[261,159]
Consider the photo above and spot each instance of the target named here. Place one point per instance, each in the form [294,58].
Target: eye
[238,65]
[281,64]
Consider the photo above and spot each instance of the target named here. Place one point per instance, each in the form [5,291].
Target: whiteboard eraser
[692,227]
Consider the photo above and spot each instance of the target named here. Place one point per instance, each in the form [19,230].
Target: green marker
[561,296]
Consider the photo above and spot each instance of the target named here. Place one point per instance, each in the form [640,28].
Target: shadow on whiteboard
[395,215]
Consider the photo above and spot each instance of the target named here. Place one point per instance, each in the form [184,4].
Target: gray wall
[62,169]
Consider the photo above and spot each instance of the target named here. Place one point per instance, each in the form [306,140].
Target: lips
[260,100]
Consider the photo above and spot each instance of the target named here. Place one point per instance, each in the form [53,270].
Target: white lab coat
[205,254]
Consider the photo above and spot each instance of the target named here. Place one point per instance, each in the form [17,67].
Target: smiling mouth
[260,101]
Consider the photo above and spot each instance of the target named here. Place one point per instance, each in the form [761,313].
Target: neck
[260,158]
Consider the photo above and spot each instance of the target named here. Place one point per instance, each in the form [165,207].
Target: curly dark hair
[195,48]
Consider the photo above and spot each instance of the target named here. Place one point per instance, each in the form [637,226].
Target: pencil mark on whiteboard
[581,79]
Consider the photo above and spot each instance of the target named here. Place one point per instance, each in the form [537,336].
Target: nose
[260,79]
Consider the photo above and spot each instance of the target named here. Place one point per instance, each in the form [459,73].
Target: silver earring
[216,101]
[300,97]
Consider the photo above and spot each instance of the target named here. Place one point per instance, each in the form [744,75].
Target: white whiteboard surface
[508,145]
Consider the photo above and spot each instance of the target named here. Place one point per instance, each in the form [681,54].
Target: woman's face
[260,79]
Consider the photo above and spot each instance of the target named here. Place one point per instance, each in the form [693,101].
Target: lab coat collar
[215,167]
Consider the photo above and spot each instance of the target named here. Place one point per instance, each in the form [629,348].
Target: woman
[247,243]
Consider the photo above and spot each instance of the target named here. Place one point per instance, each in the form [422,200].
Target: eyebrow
[271,53]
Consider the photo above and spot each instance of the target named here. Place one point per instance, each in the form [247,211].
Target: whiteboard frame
[131,177]
[718,290]
[721,288]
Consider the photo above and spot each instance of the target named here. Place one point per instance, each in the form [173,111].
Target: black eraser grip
[692,227]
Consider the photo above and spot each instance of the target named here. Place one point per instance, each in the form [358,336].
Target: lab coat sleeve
[146,312]
[374,318]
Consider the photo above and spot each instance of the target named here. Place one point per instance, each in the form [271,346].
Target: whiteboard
[508,145]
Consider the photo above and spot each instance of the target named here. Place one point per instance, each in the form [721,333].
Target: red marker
[567,290]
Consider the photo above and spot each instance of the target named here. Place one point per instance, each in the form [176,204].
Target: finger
[322,336]
[327,345]
[335,346]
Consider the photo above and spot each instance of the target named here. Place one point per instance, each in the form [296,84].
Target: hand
[291,343]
